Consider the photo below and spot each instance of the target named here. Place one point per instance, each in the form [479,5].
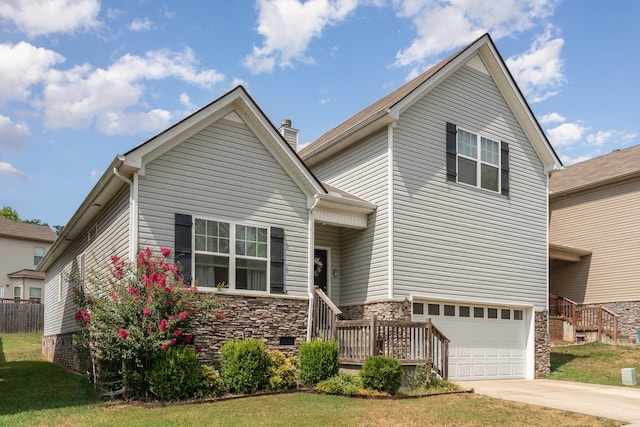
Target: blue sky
[84,80]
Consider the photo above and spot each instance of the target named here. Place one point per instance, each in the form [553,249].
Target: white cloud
[538,71]
[568,160]
[600,138]
[82,95]
[21,66]
[41,17]
[129,123]
[141,25]
[288,26]
[442,26]
[186,101]
[566,134]
[551,118]
[13,134]
[9,170]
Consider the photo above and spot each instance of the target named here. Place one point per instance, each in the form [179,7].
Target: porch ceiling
[566,253]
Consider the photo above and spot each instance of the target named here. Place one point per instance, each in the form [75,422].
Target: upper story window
[476,160]
[231,254]
[38,254]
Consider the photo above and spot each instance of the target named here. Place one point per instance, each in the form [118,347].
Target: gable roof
[25,231]
[615,166]
[387,110]
[236,102]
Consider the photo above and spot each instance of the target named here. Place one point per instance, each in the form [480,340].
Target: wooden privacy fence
[21,316]
[409,342]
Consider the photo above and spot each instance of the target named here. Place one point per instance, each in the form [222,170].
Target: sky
[82,81]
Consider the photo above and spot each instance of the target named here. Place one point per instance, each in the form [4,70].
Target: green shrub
[421,376]
[174,374]
[244,365]
[319,360]
[381,373]
[347,384]
[210,382]
[283,371]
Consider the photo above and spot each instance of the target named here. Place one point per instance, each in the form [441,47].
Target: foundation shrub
[381,373]
[244,366]
[174,374]
[319,360]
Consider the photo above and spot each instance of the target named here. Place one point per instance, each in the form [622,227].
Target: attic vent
[93,232]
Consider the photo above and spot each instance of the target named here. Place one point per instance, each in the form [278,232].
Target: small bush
[210,382]
[347,384]
[421,376]
[174,375]
[283,371]
[244,365]
[381,373]
[318,361]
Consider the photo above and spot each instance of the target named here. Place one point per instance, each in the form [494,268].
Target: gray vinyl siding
[112,238]
[456,241]
[605,221]
[225,173]
[329,237]
[362,170]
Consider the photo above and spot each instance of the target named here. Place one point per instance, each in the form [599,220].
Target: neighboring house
[22,247]
[594,234]
[432,202]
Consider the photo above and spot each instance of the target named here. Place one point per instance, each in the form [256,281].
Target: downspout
[311,231]
[132,241]
[390,207]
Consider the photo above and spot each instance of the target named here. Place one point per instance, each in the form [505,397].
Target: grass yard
[593,363]
[37,393]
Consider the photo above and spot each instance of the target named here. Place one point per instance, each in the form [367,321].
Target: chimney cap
[285,123]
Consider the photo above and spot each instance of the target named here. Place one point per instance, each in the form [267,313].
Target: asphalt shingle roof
[24,231]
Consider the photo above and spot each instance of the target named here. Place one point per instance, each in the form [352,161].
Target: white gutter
[311,239]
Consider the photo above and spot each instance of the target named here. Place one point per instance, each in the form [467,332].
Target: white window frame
[37,258]
[21,292]
[232,256]
[478,160]
[32,298]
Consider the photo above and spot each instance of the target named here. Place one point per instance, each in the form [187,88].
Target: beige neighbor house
[22,247]
[594,233]
[429,204]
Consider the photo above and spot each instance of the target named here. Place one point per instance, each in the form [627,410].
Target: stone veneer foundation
[628,317]
[279,322]
[391,309]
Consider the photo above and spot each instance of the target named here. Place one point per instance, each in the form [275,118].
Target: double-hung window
[38,254]
[477,160]
[233,255]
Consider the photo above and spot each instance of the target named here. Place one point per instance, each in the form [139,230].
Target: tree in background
[10,213]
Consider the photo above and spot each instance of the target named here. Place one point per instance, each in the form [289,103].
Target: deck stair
[579,322]
[412,343]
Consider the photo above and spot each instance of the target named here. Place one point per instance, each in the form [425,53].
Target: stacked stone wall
[279,322]
[384,310]
[542,345]
[628,317]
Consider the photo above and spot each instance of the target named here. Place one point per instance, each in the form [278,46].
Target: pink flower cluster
[82,316]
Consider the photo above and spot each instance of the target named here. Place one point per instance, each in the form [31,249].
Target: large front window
[232,255]
[478,161]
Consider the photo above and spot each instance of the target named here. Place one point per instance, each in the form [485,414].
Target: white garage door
[486,342]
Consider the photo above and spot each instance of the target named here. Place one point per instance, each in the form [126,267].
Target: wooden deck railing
[596,318]
[325,315]
[409,342]
[18,301]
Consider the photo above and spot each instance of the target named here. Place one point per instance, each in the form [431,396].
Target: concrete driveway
[617,403]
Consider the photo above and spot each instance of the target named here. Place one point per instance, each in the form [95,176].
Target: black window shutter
[504,168]
[277,260]
[451,152]
[183,249]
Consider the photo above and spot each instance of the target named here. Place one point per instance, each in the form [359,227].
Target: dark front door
[320,268]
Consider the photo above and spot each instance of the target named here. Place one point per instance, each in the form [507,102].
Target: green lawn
[37,393]
[593,362]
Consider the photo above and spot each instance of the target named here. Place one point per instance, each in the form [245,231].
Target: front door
[321,268]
